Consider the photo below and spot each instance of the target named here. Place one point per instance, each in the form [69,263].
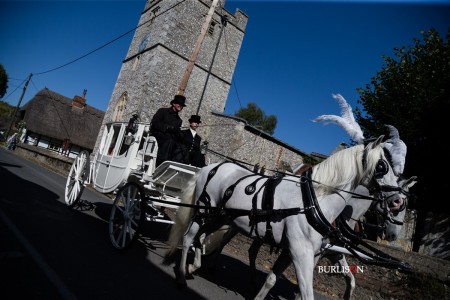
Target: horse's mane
[344,167]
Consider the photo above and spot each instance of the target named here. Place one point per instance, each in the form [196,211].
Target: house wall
[435,235]
[233,138]
[42,141]
[51,160]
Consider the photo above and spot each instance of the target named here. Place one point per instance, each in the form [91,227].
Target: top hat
[179,99]
[194,118]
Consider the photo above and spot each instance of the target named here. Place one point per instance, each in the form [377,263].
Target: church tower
[159,55]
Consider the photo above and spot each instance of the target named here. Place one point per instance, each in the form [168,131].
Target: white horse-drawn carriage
[124,164]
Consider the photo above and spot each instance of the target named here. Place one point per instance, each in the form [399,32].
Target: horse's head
[377,169]
[392,210]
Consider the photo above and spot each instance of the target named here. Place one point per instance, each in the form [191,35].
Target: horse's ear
[377,142]
[411,181]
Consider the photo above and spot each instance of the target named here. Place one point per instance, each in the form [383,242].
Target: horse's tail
[182,219]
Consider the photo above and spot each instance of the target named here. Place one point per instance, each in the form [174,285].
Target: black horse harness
[341,234]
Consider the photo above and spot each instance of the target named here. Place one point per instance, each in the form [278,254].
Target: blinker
[381,169]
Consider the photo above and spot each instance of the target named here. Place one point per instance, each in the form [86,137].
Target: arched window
[120,108]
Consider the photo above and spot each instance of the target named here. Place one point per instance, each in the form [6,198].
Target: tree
[257,118]
[3,81]
[412,93]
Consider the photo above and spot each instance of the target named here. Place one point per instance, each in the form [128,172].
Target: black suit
[192,144]
[165,127]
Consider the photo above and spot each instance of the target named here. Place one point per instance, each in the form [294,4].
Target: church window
[211,28]
[120,108]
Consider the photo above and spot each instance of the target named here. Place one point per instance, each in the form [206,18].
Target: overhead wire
[233,79]
[9,94]
[108,43]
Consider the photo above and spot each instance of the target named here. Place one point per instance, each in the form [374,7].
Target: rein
[343,234]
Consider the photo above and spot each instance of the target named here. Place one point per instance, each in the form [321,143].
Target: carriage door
[111,166]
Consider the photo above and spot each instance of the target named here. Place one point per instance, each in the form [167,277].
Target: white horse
[233,194]
[392,210]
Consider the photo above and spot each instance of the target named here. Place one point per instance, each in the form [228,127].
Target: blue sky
[295,54]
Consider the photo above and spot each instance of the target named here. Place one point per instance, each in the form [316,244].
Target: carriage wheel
[78,174]
[127,215]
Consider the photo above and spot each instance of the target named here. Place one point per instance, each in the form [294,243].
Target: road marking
[63,290]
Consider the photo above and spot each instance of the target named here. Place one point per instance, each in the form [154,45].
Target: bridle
[381,202]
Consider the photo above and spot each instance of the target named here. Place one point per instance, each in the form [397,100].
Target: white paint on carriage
[170,179]
[117,156]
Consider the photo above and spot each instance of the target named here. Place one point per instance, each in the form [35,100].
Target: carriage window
[127,140]
[115,130]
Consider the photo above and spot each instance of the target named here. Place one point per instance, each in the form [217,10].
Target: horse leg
[281,264]
[203,243]
[187,242]
[252,254]
[349,278]
[228,234]
[191,268]
[302,255]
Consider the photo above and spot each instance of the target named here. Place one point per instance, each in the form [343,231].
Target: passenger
[165,127]
[12,141]
[191,140]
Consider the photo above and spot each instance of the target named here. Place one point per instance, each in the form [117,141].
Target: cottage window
[54,145]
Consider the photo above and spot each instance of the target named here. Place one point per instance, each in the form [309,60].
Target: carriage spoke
[77,177]
[125,217]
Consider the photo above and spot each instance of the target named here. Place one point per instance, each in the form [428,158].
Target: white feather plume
[397,148]
[346,120]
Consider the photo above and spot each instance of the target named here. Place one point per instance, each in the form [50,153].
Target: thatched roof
[51,114]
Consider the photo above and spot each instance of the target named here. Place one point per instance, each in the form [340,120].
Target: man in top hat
[165,127]
[191,140]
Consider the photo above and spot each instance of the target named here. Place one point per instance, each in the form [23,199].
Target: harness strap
[229,191]
[347,231]
[204,196]
[250,189]
[267,204]
[313,213]
[253,216]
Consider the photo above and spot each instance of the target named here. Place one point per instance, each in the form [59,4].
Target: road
[49,251]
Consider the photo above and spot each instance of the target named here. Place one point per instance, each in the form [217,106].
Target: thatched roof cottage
[61,124]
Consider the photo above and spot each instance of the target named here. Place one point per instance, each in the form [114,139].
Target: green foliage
[6,109]
[257,118]
[310,160]
[412,93]
[3,81]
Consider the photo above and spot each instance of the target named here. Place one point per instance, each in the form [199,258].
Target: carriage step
[158,219]
[157,214]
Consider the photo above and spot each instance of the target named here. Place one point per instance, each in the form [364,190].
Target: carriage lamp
[204,147]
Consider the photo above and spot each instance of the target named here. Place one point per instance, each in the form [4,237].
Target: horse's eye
[381,169]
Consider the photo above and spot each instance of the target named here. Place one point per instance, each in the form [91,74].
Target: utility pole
[17,107]
[223,20]
[198,44]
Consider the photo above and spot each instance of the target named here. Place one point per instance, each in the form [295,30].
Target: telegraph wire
[108,43]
